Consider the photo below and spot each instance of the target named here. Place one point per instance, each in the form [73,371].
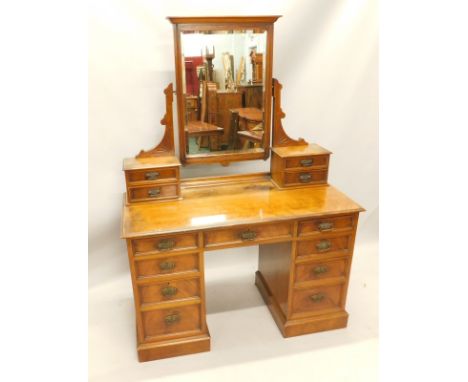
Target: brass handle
[152,175]
[248,235]
[317,297]
[168,291]
[320,269]
[305,178]
[323,245]
[307,162]
[166,244]
[154,192]
[167,265]
[172,318]
[325,226]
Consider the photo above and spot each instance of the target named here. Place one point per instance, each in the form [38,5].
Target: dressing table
[304,227]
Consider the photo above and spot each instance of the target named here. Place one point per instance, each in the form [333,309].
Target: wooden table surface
[199,127]
[250,113]
[255,200]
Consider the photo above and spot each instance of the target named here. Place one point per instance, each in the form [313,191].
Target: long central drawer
[248,235]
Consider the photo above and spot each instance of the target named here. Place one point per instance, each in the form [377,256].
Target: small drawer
[313,271]
[169,291]
[191,103]
[305,177]
[166,191]
[160,322]
[166,265]
[154,174]
[318,299]
[184,241]
[307,161]
[325,225]
[249,235]
[324,246]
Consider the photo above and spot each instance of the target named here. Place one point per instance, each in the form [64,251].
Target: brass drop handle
[166,244]
[167,265]
[320,270]
[317,297]
[323,245]
[248,235]
[154,192]
[168,291]
[172,318]
[152,175]
[307,162]
[305,178]
[325,226]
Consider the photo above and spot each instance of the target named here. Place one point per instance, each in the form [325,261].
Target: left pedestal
[169,294]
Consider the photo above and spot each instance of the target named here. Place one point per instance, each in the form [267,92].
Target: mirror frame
[181,24]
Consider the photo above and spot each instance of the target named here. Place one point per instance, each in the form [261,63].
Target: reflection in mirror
[223,90]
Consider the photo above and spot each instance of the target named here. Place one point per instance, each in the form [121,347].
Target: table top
[247,200]
[250,113]
[201,127]
[150,162]
[297,151]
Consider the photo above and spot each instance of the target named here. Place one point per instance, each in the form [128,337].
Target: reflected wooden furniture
[224,102]
[245,119]
[252,95]
[204,129]
[192,109]
[306,239]
[254,136]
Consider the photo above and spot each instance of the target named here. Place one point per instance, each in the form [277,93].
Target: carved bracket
[166,146]
[279,137]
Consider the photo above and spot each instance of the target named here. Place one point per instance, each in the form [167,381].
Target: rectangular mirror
[223,77]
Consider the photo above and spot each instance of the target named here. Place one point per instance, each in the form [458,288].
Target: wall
[325,55]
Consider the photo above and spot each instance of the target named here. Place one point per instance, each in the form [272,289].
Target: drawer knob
[248,235]
[317,297]
[168,291]
[323,245]
[154,192]
[166,244]
[305,178]
[325,226]
[167,265]
[320,270]
[307,162]
[172,318]
[152,175]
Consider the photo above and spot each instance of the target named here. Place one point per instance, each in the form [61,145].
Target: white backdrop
[325,54]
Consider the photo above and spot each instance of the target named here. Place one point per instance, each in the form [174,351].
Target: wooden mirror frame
[181,24]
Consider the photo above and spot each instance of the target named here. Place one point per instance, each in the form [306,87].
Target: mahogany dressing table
[304,227]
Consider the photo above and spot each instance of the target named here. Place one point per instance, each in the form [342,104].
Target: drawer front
[325,225]
[155,192]
[320,298]
[166,265]
[324,246]
[171,321]
[248,235]
[191,103]
[305,177]
[154,174]
[169,291]
[165,243]
[307,161]
[320,270]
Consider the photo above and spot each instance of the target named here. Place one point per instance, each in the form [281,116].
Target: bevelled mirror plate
[223,74]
